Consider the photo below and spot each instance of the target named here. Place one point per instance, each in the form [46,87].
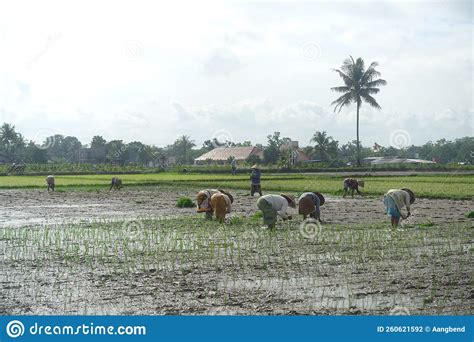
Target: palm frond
[370,100]
[342,101]
[342,89]
[369,75]
[369,90]
[376,83]
[346,78]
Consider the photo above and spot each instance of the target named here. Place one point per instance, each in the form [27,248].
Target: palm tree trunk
[358,143]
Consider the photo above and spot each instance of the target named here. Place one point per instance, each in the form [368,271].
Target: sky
[152,71]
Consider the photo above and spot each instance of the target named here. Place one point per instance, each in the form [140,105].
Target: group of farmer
[219,202]
[273,205]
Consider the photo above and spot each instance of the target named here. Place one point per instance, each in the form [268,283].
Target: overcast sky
[152,71]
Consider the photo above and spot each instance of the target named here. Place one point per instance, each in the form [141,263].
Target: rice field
[454,186]
[86,250]
[193,266]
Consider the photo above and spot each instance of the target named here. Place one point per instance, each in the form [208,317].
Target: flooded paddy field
[132,252]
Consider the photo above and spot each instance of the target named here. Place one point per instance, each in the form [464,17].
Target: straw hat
[228,195]
[322,200]
[255,166]
[412,195]
[290,199]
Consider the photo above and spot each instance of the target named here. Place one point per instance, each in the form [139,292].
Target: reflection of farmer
[273,206]
[255,181]
[394,201]
[233,165]
[309,204]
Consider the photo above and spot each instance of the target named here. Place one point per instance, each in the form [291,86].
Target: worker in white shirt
[395,200]
[273,206]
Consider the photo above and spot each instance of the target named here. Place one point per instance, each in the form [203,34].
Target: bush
[185,202]
[470,214]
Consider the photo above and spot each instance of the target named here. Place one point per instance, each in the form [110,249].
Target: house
[295,153]
[395,160]
[221,155]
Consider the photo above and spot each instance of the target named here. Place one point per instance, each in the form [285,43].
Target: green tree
[11,143]
[359,85]
[98,149]
[325,146]
[116,152]
[253,159]
[182,149]
[33,154]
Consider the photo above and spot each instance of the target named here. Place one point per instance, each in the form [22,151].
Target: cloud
[222,62]
[234,66]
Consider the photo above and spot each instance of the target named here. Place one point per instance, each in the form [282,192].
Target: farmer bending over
[116,183]
[50,182]
[203,199]
[309,204]
[221,204]
[273,205]
[394,200]
[352,184]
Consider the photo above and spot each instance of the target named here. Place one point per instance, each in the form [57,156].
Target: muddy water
[300,277]
[30,207]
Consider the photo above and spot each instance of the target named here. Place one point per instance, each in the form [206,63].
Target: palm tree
[324,143]
[11,142]
[359,85]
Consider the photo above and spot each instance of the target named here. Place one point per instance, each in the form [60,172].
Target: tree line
[14,148]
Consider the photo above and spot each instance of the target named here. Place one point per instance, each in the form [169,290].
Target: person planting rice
[116,183]
[221,204]
[255,180]
[203,200]
[394,201]
[273,206]
[50,182]
[352,184]
[309,203]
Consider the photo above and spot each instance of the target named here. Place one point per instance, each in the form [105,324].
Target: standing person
[233,165]
[273,206]
[255,180]
[394,201]
[309,203]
